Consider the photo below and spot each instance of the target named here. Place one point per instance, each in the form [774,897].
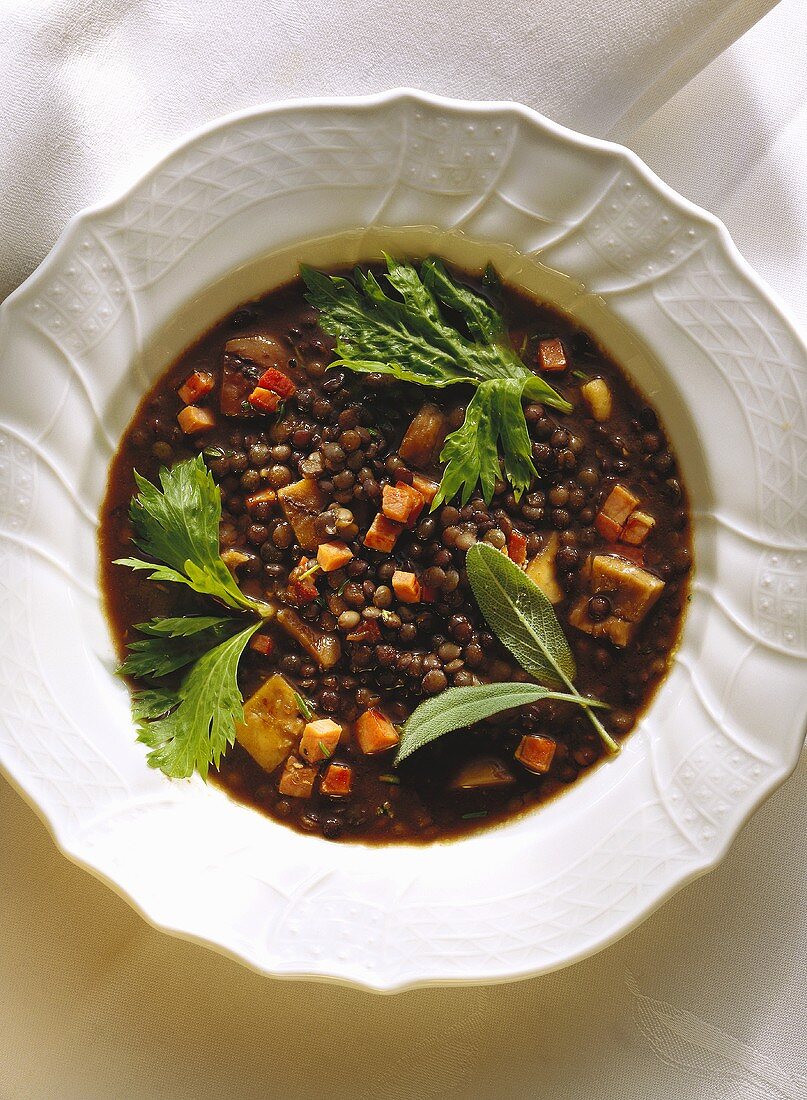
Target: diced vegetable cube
[406,586]
[323,646]
[619,504]
[263,496]
[271,725]
[333,555]
[297,780]
[619,631]
[382,534]
[337,781]
[633,591]
[262,644]
[278,382]
[624,550]
[551,356]
[536,752]
[637,527]
[266,351]
[402,503]
[426,488]
[368,631]
[517,547]
[198,385]
[194,420]
[319,740]
[541,569]
[484,771]
[233,558]
[597,396]
[302,502]
[375,732]
[424,437]
[264,400]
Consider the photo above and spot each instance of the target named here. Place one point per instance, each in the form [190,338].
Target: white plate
[228,214]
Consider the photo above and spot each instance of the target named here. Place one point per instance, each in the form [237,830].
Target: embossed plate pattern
[222,217]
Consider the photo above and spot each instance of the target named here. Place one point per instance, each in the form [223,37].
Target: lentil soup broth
[342,431]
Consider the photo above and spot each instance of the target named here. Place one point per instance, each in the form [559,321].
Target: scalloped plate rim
[785,764]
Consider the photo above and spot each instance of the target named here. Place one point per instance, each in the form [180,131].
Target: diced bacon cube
[382,534]
[402,503]
[264,400]
[199,384]
[406,587]
[194,420]
[262,644]
[333,555]
[426,488]
[637,527]
[319,740]
[337,781]
[551,356]
[278,382]
[263,496]
[607,527]
[536,752]
[368,632]
[297,780]
[517,547]
[619,504]
[302,589]
[375,732]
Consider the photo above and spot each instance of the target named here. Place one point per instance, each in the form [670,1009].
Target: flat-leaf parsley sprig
[187,726]
[408,331]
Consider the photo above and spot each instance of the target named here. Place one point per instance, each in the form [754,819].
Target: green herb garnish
[459,707]
[312,569]
[172,643]
[393,779]
[187,727]
[475,814]
[304,707]
[408,331]
[191,728]
[523,619]
[180,528]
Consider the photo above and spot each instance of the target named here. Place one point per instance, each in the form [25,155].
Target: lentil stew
[326,478]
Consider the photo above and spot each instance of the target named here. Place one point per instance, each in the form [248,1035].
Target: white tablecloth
[707,999]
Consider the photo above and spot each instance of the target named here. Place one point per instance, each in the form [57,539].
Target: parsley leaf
[172,643]
[406,331]
[180,528]
[192,727]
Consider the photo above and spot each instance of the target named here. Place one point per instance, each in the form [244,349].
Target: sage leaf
[520,615]
[523,620]
[459,707]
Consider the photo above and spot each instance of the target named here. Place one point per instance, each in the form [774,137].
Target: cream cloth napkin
[707,998]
